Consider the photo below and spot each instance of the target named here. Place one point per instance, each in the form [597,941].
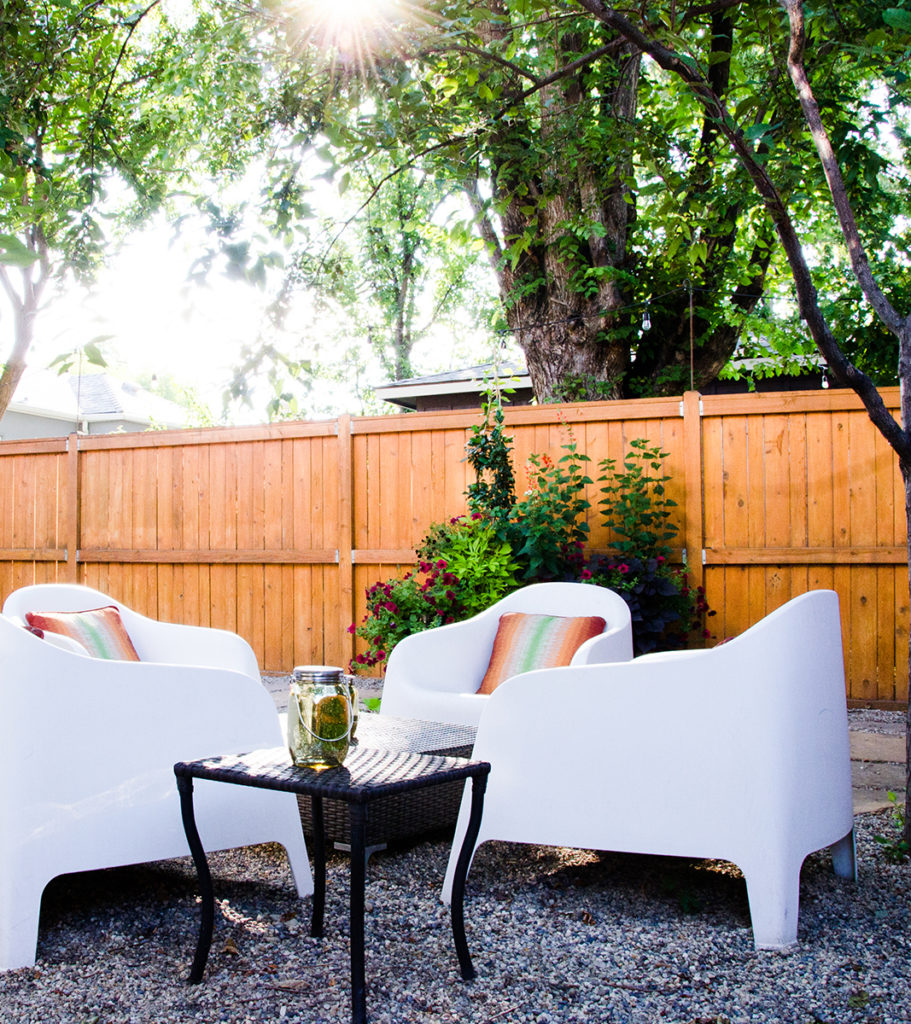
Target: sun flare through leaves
[354,33]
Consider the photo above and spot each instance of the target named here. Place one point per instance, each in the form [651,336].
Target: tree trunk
[25,309]
[906,477]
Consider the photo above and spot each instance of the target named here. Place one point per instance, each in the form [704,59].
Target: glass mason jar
[322,716]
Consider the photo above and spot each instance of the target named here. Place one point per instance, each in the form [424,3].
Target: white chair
[87,748]
[434,675]
[738,753]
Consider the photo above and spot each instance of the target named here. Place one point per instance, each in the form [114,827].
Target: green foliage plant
[463,568]
[488,453]
[547,528]
[666,610]
[895,848]
[397,608]
[635,503]
[475,554]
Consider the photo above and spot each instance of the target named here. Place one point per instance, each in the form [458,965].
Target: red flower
[352,628]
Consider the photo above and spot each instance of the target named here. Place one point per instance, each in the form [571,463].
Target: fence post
[694,534]
[346,609]
[73,509]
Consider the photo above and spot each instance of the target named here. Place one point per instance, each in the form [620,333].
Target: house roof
[467,380]
[92,398]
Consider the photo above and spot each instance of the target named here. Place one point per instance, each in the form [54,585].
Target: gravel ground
[888,723]
[556,935]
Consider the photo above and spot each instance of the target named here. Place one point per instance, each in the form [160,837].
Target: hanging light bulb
[646,320]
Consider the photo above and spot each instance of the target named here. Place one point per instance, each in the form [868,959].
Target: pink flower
[623,567]
[660,559]
[391,606]
[441,563]
[352,628]
[586,574]
[380,655]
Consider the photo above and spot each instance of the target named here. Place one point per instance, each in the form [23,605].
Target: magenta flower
[352,628]
[586,574]
[623,567]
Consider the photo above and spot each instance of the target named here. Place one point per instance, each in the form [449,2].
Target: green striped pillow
[527,641]
[100,631]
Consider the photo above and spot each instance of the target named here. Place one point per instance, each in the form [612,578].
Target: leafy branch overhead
[604,188]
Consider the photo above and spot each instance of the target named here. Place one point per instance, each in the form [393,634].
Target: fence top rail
[783,402]
[34,446]
[755,403]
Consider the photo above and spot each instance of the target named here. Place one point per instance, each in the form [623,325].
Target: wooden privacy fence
[276,531]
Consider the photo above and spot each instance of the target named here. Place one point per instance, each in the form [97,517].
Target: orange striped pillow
[525,642]
[100,631]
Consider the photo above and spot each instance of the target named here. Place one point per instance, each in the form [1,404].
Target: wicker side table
[367,777]
[400,816]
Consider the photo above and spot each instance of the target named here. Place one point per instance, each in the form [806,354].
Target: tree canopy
[107,113]
[629,246]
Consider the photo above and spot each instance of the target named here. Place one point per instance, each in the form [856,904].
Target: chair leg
[774,895]
[844,857]
[300,866]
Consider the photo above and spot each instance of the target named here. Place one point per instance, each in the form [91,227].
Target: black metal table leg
[207,895]
[478,787]
[318,849]
[358,884]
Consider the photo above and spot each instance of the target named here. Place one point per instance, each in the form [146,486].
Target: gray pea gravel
[556,936]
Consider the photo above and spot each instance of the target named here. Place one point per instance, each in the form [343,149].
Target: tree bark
[25,309]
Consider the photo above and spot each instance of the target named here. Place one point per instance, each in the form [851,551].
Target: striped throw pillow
[525,642]
[99,630]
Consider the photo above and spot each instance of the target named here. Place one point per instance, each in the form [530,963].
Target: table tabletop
[367,774]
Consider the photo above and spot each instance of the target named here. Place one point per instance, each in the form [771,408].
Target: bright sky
[142,301]
[153,321]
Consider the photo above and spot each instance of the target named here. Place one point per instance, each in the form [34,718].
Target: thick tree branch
[477,51]
[488,236]
[860,264]
[843,369]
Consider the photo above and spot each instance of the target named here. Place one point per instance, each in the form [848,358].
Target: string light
[644,305]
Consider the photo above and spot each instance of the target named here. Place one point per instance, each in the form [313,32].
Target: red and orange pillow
[99,630]
[527,641]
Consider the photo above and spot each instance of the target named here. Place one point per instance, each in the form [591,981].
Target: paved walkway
[877,757]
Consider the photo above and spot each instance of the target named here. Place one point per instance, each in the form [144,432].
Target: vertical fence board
[275,532]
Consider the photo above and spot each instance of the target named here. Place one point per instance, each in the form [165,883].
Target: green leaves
[636,507]
[898,17]
[14,252]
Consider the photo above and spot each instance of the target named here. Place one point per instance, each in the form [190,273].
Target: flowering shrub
[399,607]
[665,610]
[482,563]
[469,562]
[545,529]
[463,568]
